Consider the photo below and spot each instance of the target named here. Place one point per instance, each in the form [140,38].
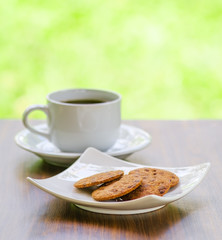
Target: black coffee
[84,101]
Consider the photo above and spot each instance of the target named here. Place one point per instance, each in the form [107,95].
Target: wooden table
[26,212]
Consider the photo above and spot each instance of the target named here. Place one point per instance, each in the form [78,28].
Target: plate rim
[159,200]
[118,211]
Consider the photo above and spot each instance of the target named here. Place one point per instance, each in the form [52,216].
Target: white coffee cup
[73,127]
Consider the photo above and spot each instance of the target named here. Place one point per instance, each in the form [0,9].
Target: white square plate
[93,161]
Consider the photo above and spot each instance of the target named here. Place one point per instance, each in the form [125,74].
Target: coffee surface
[84,101]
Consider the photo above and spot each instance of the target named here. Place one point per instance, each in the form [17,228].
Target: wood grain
[26,212]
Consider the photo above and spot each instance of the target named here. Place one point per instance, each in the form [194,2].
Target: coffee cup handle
[26,122]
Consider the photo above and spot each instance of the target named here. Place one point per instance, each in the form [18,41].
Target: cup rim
[50,99]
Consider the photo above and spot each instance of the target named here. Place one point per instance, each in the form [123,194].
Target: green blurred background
[164,57]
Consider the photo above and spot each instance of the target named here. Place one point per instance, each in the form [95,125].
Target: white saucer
[131,139]
[93,161]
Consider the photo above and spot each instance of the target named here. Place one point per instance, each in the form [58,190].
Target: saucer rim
[69,155]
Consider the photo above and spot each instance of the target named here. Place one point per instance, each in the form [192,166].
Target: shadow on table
[147,224]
